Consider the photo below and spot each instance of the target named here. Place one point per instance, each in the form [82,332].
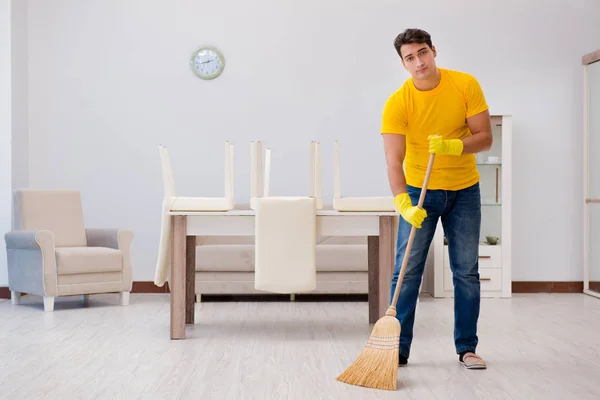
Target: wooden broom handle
[392,309]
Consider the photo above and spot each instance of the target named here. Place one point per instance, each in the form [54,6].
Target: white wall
[20,118]
[109,81]
[5,131]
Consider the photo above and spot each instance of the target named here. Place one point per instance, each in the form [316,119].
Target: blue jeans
[460,213]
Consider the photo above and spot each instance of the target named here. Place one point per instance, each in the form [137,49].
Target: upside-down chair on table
[285,241]
[173,203]
[355,204]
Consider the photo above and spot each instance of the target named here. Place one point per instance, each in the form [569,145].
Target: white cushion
[87,260]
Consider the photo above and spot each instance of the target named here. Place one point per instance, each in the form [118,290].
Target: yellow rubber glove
[438,145]
[414,215]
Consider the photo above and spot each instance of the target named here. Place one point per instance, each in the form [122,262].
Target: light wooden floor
[537,346]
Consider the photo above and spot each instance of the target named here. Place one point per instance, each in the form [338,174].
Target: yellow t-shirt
[442,110]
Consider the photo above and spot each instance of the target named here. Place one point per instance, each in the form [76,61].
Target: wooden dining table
[378,227]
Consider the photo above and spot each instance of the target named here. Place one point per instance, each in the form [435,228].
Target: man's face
[419,60]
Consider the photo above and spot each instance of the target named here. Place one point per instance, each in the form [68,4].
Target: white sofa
[225,265]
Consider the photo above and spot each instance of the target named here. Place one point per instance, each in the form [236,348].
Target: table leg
[381,250]
[177,283]
[190,278]
[373,260]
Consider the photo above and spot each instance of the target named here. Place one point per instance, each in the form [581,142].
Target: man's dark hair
[412,36]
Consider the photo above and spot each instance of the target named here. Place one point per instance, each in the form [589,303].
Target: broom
[377,366]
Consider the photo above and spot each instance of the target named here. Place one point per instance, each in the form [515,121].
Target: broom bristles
[377,365]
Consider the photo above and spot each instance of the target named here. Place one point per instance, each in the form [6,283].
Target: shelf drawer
[490,278]
[489,256]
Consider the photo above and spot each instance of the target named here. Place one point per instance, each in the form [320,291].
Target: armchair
[51,253]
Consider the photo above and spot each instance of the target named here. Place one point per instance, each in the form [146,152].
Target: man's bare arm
[482,138]
[395,150]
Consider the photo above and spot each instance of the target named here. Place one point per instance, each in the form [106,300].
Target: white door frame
[588,202]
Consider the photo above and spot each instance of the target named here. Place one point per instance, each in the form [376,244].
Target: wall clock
[207,62]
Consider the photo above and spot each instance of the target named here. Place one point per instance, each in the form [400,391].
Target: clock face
[207,63]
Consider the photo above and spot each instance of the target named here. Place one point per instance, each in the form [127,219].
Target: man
[444,112]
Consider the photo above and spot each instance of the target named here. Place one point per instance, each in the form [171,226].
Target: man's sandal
[473,361]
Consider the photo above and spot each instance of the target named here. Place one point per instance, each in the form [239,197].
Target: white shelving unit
[496,210]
